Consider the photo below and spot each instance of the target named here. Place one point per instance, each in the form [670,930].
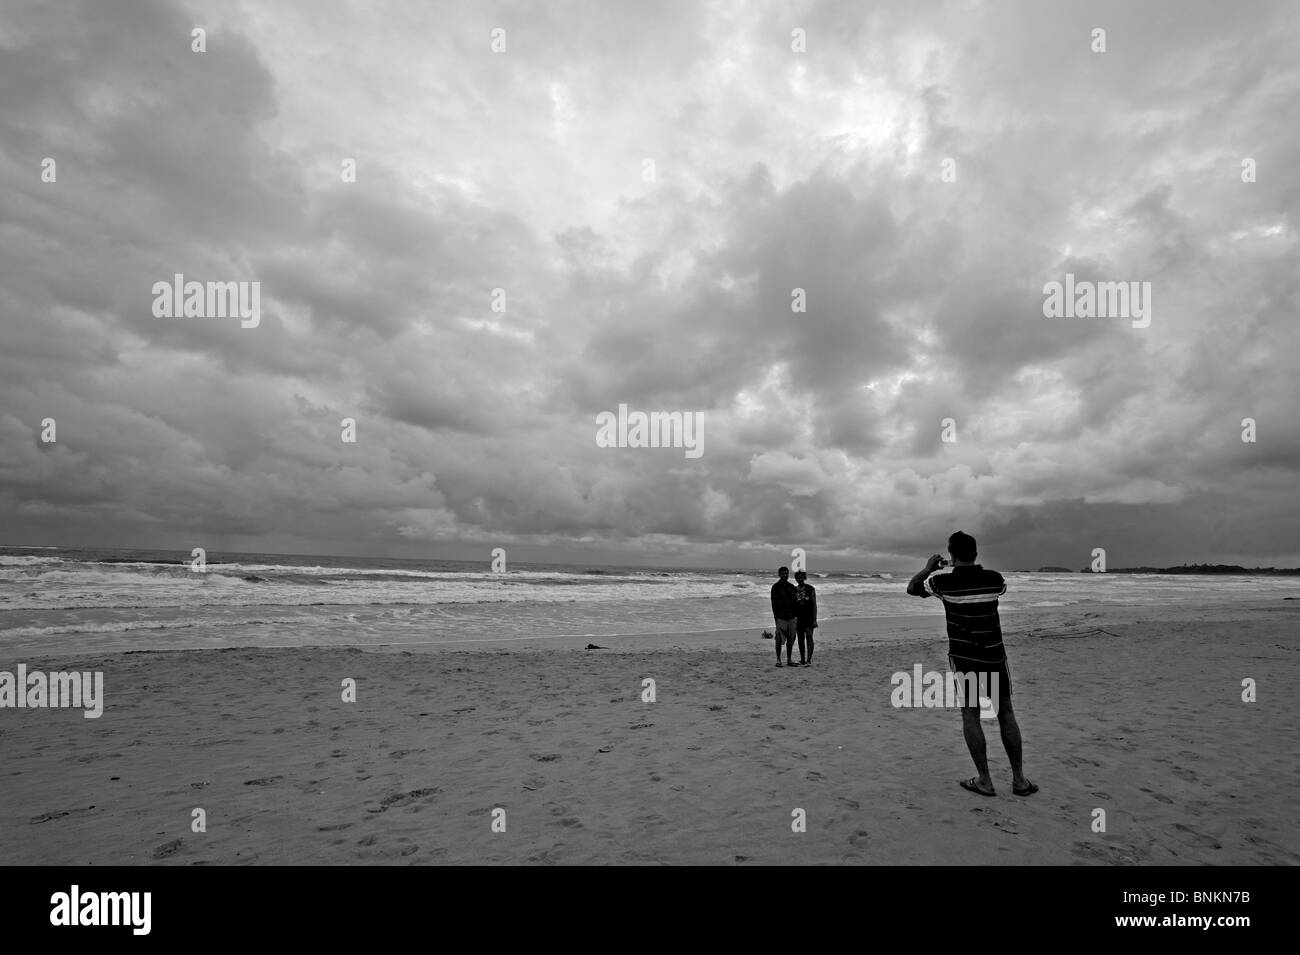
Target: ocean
[69,599]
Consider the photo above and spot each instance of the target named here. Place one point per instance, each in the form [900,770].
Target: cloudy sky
[526,170]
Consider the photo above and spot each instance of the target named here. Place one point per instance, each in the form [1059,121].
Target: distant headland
[1197,569]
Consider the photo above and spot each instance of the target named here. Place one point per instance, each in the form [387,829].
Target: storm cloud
[624,206]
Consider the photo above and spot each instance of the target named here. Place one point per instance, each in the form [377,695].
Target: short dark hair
[962,546]
[784,570]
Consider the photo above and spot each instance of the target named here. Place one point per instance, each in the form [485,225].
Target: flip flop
[1027,791]
[972,784]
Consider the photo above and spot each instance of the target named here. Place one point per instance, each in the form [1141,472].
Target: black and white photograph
[697,433]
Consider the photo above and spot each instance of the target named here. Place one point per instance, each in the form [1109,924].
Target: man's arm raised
[916,586]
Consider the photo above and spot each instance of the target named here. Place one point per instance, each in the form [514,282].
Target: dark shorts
[804,627]
[1002,670]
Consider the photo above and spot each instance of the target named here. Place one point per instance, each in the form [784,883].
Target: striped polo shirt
[970,602]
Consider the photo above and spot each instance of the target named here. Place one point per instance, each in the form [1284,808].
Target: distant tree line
[1198,569]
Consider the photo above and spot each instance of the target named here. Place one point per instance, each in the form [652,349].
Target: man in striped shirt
[970,602]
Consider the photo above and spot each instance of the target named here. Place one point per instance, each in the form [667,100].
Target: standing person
[785,612]
[805,597]
[970,603]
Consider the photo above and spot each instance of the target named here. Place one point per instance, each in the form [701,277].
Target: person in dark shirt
[785,612]
[970,602]
[805,598]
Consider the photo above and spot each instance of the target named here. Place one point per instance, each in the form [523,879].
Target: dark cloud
[774,171]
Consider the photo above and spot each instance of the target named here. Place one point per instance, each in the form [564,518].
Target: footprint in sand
[1110,854]
[716,707]
[546,757]
[402,799]
[336,828]
[409,850]
[366,841]
[48,816]
[262,780]
[166,849]
[775,726]
[813,776]
[1192,837]
[859,839]
[1159,797]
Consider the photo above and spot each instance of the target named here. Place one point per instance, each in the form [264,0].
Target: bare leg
[970,724]
[1011,743]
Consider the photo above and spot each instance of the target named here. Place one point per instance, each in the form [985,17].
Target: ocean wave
[122,626]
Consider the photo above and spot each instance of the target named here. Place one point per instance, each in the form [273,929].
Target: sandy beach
[1136,713]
